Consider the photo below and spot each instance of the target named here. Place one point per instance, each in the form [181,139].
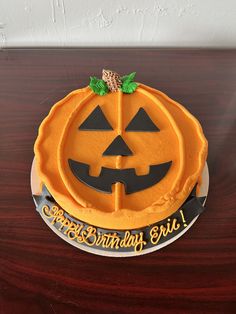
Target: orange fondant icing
[180,140]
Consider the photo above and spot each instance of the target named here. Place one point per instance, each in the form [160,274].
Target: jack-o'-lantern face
[108,176]
[119,147]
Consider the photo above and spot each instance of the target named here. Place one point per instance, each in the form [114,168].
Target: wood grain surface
[40,273]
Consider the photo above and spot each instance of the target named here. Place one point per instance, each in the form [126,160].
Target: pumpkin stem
[112,79]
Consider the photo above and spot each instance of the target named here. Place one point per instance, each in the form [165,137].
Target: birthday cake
[118,156]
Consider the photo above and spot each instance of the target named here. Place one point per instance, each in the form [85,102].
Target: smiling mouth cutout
[108,176]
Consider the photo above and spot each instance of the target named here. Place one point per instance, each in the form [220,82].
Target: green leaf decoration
[129,87]
[101,88]
[98,86]
[128,84]
[128,78]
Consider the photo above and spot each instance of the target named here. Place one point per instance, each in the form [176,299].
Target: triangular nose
[118,148]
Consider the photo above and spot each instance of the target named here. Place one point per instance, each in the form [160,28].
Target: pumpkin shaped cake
[119,154]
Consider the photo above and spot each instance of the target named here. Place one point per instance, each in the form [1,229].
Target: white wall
[177,23]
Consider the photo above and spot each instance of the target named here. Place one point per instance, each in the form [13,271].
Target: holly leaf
[128,84]
[129,87]
[128,78]
[98,86]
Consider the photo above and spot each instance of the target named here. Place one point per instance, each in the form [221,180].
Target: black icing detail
[192,194]
[141,122]
[118,148]
[45,197]
[132,182]
[96,121]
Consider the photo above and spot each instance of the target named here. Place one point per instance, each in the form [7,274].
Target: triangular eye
[141,122]
[96,121]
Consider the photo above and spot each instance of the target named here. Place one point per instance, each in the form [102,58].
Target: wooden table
[41,273]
